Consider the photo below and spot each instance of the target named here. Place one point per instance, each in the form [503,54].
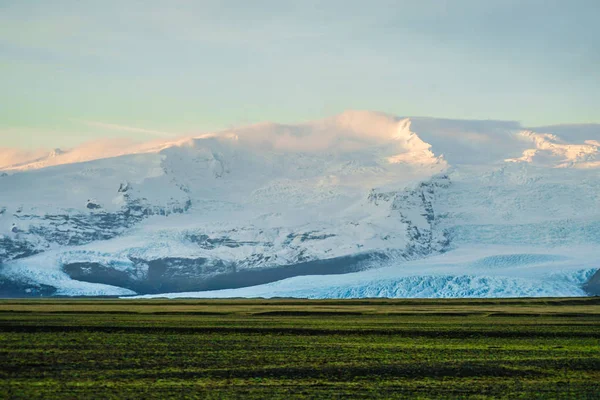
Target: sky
[72,71]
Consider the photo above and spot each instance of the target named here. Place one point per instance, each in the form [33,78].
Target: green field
[546,348]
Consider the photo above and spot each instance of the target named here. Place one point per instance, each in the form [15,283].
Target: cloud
[125,128]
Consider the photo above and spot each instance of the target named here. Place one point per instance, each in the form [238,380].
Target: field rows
[294,349]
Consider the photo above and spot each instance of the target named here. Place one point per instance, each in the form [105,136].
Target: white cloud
[125,128]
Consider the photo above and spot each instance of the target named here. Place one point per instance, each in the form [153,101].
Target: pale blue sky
[72,71]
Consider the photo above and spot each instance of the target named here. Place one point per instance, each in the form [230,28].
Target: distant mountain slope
[267,202]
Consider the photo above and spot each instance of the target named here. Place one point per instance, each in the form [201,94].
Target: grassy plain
[82,348]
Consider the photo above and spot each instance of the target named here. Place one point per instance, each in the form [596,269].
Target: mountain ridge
[374,125]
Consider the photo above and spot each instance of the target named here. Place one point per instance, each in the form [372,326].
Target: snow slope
[333,201]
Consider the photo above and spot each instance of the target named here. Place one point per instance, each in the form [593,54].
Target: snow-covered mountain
[360,204]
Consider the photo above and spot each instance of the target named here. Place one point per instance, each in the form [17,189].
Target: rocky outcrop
[174,274]
[416,210]
[592,286]
[33,234]
[11,249]
[23,288]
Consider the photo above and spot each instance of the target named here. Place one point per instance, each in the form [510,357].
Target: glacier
[362,204]
[457,274]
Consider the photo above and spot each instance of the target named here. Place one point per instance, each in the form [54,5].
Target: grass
[542,348]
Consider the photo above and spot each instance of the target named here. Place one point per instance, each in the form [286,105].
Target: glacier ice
[360,204]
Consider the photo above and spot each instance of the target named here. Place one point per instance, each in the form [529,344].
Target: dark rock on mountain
[194,274]
[592,287]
